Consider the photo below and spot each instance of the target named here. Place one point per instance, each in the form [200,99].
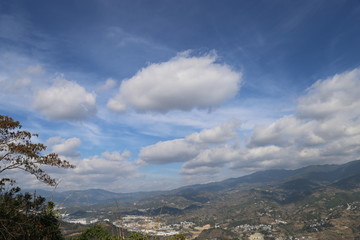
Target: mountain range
[345,176]
[313,202]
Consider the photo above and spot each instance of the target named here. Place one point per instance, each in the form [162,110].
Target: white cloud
[65,100]
[200,148]
[218,134]
[109,166]
[276,133]
[110,170]
[165,152]
[182,83]
[212,157]
[327,98]
[65,147]
[325,128]
[329,135]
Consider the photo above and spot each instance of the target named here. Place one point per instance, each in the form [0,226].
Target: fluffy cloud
[324,129]
[210,160]
[65,100]
[110,170]
[276,133]
[326,99]
[182,83]
[165,152]
[190,149]
[65,147]
[218,134]
[110,166]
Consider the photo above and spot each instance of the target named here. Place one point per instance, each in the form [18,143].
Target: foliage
[97,232]
[180,236]
[23,216]
[18,152]
[137,236]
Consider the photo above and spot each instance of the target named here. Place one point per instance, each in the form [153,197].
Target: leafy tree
[97,232]
[180,236]
[24,216]
[137,236]
[18,152]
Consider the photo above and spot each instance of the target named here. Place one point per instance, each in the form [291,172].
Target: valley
[316,202]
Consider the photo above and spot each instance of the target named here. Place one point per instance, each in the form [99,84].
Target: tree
[179,236]
[97,232]
[18,152]
[26,216]
[137,236]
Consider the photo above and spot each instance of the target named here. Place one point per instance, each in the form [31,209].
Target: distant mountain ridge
[89,196]
[326,174]
[315,202]
[342,176]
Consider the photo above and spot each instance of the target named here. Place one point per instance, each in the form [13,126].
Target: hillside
[314,202]
[79,198]
[342,176]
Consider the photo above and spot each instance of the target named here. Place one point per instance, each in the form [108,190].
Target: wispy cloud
[108,84]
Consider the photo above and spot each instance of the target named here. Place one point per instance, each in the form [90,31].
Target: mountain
[90,197]
[317,173]
[302,179]
[278,186]
[313,202]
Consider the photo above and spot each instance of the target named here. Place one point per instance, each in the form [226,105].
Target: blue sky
[149,95]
